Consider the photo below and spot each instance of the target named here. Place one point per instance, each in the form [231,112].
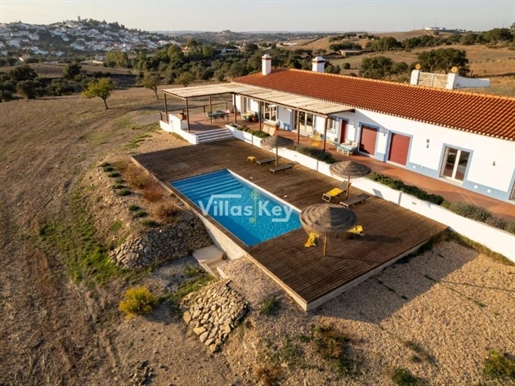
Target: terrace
[310,279]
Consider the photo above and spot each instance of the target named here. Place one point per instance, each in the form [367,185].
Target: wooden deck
[391,231]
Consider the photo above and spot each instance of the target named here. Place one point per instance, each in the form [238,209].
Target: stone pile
[213,312]
[164,244]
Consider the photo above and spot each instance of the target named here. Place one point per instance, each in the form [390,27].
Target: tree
[185,79]
[377,67]
[444,59]
[27,89]
[71,71]
[150,81]
[23,72]
[99,88]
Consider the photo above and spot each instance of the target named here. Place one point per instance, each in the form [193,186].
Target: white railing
[495,239]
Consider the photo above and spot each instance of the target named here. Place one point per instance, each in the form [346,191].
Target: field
[498,64]
[59,322]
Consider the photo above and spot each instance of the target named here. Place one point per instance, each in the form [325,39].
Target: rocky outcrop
[164,244]
[213,312]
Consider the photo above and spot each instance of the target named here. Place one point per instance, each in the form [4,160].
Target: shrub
[269,375]
[259,134]
[166,211]
[105,164]
[318,154]
[113,174]
[123,192]
[471,211]
[153,192]
[403,377]
[496,222]
[108,169]
[270,305]
[118,186]
[136,177]
[137,301]
[121,164]
[140,214]
[150,223]
[334,346]
[409,189]
[133,208]
[510,227]
[499,365]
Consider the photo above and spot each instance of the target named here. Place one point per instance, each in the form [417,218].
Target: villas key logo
[220,205]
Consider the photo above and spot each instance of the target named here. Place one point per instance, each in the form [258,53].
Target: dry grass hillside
[435,319]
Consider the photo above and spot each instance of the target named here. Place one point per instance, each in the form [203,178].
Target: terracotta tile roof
[489,115]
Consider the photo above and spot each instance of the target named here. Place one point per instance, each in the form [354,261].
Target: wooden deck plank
[390,230]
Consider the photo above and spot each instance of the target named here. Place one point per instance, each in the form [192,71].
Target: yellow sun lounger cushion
[312,240]
[357,229]
[335,192]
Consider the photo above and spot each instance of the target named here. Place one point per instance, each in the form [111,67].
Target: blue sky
[269,15]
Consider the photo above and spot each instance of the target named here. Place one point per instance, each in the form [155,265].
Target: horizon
[266,16]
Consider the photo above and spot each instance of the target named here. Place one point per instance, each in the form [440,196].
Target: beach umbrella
[348,169]
[328,220]
[276,141]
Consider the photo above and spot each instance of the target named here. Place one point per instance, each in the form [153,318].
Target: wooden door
[367,144]
[343,132]
[399,147]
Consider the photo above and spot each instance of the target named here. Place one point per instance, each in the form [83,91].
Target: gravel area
[438,315]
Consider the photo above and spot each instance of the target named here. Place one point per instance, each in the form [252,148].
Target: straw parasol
[276,141]
[348,169]
[327,220]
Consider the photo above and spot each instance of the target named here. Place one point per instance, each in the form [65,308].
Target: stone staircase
[210,258]
[214,135]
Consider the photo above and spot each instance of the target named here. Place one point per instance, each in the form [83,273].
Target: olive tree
[99,88]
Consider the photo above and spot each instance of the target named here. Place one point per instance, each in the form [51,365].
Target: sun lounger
[335,192]
[264,161]
[282,168]
[360,198]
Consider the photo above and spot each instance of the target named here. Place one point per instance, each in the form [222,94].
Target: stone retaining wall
[164,244]
[213,312]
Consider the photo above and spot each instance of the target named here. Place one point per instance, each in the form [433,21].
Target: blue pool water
[251,214]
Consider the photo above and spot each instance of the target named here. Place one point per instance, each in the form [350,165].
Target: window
[332,126]
[306,121]
[270,111]
[455,163]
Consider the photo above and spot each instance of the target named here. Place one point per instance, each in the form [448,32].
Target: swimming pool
[248,212]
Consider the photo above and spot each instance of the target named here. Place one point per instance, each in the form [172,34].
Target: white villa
[463,138]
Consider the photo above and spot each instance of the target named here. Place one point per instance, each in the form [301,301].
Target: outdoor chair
[335,192]
[282,168]
[347,148]
[359,199]
[264,161]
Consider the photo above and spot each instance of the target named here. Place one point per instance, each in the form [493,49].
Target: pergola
[295,102]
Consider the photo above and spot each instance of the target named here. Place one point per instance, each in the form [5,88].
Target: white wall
[176,125]
[285,116]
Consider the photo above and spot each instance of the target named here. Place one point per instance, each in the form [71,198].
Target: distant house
[348,53]
[465,139]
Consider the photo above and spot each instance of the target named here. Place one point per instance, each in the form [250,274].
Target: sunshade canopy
[327,219]
[349,169]
[276,141]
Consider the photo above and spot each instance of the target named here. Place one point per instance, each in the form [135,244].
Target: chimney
[266,64]
[318,64]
